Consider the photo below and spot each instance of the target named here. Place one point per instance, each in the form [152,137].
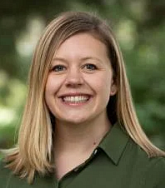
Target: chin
[74,121]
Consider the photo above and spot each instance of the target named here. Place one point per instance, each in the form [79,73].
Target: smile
[76,99]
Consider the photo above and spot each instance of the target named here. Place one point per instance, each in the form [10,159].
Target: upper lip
[74,94]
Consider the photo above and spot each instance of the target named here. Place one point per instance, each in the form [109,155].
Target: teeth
[75,99]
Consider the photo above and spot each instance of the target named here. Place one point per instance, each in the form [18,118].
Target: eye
[90,67]
[58,68]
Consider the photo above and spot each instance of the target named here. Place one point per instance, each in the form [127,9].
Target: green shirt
[116,163]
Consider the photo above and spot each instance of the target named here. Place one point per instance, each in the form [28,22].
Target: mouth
[75,99]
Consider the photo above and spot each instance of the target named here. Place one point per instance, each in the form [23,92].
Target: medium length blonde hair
[33,152]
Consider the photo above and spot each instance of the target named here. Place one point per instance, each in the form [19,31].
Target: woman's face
[80,81]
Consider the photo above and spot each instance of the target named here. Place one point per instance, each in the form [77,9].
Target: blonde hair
[33,152]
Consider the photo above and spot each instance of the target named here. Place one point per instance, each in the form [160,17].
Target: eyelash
[90,67]
[59,67]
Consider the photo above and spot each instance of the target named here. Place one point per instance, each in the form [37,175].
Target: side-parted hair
[33,152]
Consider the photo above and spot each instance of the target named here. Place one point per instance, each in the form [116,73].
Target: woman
[79,127]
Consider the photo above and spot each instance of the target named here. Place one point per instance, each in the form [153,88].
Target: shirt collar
[114,143]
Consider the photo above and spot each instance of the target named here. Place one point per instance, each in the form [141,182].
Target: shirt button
[95,151]
[76,169]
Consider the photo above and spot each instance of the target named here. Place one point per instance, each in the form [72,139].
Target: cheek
[48,91]
[52,85]
[101,83]
[49,87]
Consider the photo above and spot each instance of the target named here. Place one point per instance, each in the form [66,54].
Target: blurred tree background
[140,29]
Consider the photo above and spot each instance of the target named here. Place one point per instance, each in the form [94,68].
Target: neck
[82,137]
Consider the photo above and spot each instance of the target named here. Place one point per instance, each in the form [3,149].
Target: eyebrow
[60,59]
[82,59]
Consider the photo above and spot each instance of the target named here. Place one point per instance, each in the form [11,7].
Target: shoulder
[148,172]
[155,173]
[5,175]
[151,170]
[3,170]
[8,179]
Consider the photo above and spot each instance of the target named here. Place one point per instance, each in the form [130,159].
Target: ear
[113,89]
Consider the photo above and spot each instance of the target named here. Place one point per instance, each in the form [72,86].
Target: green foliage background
[140,29]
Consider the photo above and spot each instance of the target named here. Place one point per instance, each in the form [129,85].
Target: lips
[75,99]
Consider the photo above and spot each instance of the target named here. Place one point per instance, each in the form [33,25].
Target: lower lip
[75,104]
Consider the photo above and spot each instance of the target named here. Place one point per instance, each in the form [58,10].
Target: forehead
[82,43]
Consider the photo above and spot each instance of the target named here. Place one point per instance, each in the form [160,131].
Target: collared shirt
[116,163]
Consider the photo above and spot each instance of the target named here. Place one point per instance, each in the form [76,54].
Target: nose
[74,78]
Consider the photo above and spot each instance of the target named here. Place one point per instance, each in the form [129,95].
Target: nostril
[74,80]
[73,84]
